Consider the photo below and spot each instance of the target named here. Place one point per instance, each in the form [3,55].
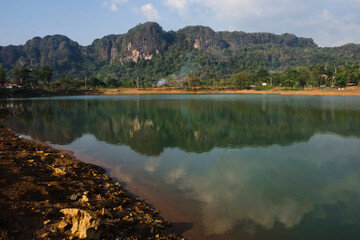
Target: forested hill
[150,53]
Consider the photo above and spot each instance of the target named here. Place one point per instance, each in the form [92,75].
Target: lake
[219,166]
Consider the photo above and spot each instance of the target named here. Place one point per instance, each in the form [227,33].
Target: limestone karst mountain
[149,52]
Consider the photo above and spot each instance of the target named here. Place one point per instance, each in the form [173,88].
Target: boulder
[59,172]
[83,224]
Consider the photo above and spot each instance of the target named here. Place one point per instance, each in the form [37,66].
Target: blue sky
[328,22]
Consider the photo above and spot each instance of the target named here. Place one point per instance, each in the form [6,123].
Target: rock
[44,235]
[84,199]
[47,222]
[106,213]
[84,225]
[62,225]
[59,172]
[160,226]
[73,197]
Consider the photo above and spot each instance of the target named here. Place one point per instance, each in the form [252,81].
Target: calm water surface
[219,166]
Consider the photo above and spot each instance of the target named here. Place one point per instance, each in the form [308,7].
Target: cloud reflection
[270,185]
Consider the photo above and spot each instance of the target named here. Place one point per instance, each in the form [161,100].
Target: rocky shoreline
[49,194]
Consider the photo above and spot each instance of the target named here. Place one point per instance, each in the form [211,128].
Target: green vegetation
[293,78]
[2,76]
[193,56]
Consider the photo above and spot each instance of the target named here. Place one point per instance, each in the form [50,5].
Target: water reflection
[149,126]
[258,167]
[274,185]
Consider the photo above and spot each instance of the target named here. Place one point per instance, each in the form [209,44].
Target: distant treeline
[292,78]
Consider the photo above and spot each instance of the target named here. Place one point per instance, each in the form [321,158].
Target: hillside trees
[241,80]
[22,75]
[45,74]
[342,77]
[2,76]
[95,82]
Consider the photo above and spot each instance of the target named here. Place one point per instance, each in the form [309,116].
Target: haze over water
[219,166]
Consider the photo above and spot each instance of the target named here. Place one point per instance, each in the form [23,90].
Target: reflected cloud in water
[263,167]
[270,185]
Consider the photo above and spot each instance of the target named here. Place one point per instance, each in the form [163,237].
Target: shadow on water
[182,227]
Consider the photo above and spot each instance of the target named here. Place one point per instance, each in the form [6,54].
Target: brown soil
[16,93]
[37,182]
[25,93]
[349,91]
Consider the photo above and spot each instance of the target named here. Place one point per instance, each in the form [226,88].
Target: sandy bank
[20,93]
[349,91]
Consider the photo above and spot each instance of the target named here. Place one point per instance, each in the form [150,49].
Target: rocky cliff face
[141,42]
[58,51]
[242,39]
[201,38]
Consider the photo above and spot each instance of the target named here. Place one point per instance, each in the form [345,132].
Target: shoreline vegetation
[328,91]
[49,194]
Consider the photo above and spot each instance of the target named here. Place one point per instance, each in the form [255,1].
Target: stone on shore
[83,224]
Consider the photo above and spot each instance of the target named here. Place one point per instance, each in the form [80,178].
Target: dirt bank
[25,93]
[19,93]
[48,194]
[349,91]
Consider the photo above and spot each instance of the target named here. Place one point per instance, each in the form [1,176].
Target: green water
[227,166]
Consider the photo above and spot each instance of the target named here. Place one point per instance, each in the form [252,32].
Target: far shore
[328,91]
[349,91]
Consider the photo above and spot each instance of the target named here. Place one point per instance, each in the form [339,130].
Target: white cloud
[180,5]
[338,24]
[332,30]
[113,4]
[353,2]
[149,11]
[231,9]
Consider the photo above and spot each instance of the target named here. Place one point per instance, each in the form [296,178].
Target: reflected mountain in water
[149,126]
[253,167]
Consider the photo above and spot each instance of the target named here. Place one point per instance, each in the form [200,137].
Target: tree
[291,77]
[318,76]
[95,82]
[193,81]
[276,79]
[112,82]
[303,77]
[262,75]
[45,74]
[355,76]
[240,80]
[2,76]
[22,75]
[342,77]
